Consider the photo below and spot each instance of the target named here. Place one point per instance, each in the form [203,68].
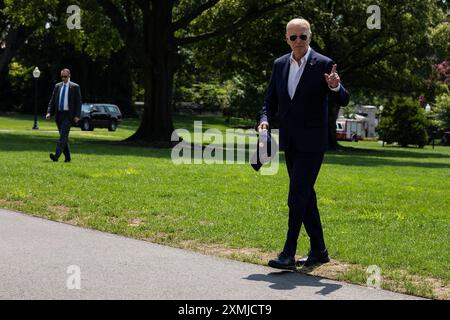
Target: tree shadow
[347,157]
[210,122]
[389,152]
[39,143]
[287,280]
[367,161]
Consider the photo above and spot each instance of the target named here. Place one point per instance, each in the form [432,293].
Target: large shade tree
[153,32]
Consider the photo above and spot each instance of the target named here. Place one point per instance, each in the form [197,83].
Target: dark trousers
[63,121]
[303,169]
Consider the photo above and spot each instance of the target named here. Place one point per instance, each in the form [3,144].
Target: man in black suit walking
[65,103]
[302,83]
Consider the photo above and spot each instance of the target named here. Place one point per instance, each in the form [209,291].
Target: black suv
[99,115]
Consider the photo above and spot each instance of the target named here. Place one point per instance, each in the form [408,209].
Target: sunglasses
[63,77]
[294,37]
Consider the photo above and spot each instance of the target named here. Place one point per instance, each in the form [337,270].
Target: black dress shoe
[313,259]
[53,157]
[67,160]
[283,261]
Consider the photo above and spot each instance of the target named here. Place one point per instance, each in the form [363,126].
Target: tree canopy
[234,42]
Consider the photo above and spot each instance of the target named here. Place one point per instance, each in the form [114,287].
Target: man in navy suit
[66,104]
[302,84]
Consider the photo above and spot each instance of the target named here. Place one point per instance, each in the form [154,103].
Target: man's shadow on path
[287,280]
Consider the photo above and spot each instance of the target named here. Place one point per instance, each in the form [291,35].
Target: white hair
[299,21]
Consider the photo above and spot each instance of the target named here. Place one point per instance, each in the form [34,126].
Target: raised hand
[263,126]
[333,79]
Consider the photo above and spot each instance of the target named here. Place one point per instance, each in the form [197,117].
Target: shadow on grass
[366,161]
[286,280]
[208,122]
[390,152]
[39,143]
[346,157]
[350,156]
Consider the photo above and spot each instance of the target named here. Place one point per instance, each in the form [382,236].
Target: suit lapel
[59,94]
[285,75]
[69,94]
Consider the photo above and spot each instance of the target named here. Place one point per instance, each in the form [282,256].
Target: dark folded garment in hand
[264,149]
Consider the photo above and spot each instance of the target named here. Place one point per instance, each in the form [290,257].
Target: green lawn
[383,206]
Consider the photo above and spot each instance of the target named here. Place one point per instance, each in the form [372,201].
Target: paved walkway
[35,256]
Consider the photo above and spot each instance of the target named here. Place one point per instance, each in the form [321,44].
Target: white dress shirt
[296,71]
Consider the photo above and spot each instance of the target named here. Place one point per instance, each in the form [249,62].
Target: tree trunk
[5,91]
[156,126]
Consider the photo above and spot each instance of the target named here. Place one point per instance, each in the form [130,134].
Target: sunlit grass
[383,206]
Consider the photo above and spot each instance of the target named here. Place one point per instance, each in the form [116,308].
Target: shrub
[403,121]
[246,97]
[213,97]
[441,111]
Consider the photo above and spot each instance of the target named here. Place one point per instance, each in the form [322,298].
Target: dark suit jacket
[304,119]
[74,100]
